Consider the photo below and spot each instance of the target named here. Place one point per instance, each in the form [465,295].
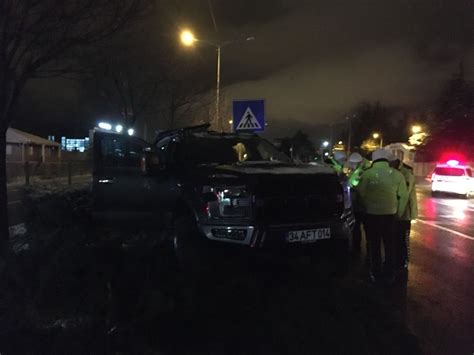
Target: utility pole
[349,138]
[218,87]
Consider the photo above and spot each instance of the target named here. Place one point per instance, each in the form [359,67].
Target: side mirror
[150,163]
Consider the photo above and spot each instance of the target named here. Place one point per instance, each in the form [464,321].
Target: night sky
[313,61]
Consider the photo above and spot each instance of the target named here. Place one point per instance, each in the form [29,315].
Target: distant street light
[119,128]
[376,135]
[130,131]
[325,144]
[416,129]
[188,39]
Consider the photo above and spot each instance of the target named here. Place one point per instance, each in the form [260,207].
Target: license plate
[308,235]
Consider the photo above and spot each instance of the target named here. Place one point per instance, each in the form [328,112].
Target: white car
[453,177]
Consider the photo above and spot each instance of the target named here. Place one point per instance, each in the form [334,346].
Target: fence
[28,172]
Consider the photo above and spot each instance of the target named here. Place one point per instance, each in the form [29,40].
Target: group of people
[384,201]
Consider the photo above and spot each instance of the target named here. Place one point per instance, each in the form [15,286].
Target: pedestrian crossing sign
[248,115]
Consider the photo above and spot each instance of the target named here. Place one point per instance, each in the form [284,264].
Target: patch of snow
[17,230]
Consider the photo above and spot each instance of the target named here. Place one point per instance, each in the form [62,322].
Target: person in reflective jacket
[337,161]
[404,223]
[383,195]
[357,165]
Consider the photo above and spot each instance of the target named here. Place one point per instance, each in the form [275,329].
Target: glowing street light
[325,144]
[130,131]
[119,128]
[187,38]
[416,129]
[376,135]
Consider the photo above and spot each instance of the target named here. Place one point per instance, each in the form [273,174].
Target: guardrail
[29,171]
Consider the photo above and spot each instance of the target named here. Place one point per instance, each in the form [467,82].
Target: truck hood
[258,168]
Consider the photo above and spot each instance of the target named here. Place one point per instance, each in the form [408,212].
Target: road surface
[440,293]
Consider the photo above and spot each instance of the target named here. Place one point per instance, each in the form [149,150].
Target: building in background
[22,146]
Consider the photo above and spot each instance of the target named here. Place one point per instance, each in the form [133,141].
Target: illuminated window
[74,144]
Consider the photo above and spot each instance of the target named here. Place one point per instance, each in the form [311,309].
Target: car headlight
[228,202]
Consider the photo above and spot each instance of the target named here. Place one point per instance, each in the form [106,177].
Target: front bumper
[272,237]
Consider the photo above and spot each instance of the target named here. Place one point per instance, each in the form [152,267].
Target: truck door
[122,193]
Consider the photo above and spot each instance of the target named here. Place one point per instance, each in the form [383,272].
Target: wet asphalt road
[440,293]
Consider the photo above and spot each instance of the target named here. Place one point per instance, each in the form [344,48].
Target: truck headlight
[229,202]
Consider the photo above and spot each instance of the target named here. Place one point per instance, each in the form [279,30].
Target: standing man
[337,161]
[404,223]
[383,196]
[357,165]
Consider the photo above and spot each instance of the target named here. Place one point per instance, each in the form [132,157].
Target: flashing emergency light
[452,162]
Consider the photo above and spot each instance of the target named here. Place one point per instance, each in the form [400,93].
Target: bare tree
[179,101]
[37,39]
[129,84]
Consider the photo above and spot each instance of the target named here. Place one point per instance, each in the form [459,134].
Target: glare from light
[231,121]
[326,154]
[376,135]
[119,128]
[187,38]
[105,125]
[130,131]
[416,129]
[452,162]
[325,144]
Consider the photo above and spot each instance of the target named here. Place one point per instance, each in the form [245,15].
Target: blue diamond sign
[248,115]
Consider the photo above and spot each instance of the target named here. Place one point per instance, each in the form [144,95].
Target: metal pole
[218,84]
[27,173]
[350,136]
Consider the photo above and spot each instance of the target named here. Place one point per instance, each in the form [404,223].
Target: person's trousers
[380,228]
[356,233]
[402,243]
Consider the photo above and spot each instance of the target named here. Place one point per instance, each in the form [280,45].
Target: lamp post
[349,138]
[377,136]
[188,39]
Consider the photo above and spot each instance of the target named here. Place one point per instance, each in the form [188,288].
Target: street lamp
[325,144]
[377,136]
[416,129]
[188,39]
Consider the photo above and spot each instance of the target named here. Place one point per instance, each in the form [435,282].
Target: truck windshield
[229,150]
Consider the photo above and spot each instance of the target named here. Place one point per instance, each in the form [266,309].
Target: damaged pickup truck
[220,194]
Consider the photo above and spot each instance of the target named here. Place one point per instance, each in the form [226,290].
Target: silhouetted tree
[38,39]
[451,128]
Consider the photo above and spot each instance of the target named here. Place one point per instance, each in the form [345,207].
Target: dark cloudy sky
[312,60]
